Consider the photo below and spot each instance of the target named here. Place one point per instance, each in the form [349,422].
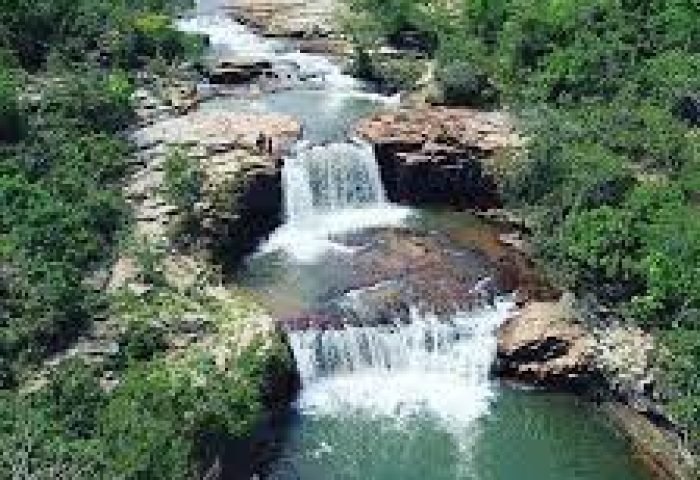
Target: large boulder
[238,71]
[439,155]
[543,345]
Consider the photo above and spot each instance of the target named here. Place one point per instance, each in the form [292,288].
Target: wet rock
[393,273]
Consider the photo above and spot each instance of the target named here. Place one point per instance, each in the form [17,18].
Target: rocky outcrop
[542,344]
[287,18]
[440,156]
[241,184]
[158,98]
[655,447]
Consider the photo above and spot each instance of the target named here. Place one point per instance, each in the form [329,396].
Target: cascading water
[333,177]
[426,366]
[330,190]
[231,40]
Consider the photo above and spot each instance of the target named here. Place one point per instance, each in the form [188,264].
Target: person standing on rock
[260,142]
[269,145]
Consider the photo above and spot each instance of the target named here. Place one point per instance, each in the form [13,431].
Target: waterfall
[330,190]
[426,366]
[333,177]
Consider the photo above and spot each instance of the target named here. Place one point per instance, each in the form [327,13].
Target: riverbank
[122,352]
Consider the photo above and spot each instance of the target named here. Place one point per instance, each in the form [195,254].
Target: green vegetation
[161,403]
[64,100]
[68,69]
[154,422]
[183,185]
[609,93]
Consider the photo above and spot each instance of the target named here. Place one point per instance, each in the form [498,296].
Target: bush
[11,118]
[183,180]
[142,341]
[89,99]
[463,83]
[74,397]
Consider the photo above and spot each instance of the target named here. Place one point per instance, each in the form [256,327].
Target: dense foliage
[610,93]
[151,426]
[65,96]
[68,69]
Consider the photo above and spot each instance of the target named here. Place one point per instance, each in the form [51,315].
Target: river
[393,388]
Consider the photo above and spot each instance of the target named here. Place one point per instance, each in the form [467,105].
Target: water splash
[228,38]
[424,367]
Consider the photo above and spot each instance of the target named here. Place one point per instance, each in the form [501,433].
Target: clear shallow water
[326,115]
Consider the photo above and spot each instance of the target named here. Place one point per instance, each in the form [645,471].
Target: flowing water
[329,190]
[409,397]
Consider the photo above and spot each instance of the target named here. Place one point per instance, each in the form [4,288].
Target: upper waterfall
[330,190]
[327,178]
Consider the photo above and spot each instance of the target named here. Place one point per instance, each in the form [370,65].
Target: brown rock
[438,155]
[287,18]
[543,345]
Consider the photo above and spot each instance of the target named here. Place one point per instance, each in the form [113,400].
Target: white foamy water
[327,178]
[330,190]
[424,367]
[227,37]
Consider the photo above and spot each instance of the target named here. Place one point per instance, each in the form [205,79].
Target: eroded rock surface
[287,18]
[549,344]
[226,147]
[542,344]
[439,155]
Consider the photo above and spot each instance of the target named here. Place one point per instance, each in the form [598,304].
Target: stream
[391,312]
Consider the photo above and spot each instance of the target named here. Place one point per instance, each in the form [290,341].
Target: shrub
[74,397]
[141,341]
[11,117]
[463,83]
[88,99]
[183,180]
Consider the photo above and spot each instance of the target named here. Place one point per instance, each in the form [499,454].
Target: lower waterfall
[428,366]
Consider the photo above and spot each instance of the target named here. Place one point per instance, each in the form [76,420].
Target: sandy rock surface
[212,129]
[287,18]
[543,345]
[454,127]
